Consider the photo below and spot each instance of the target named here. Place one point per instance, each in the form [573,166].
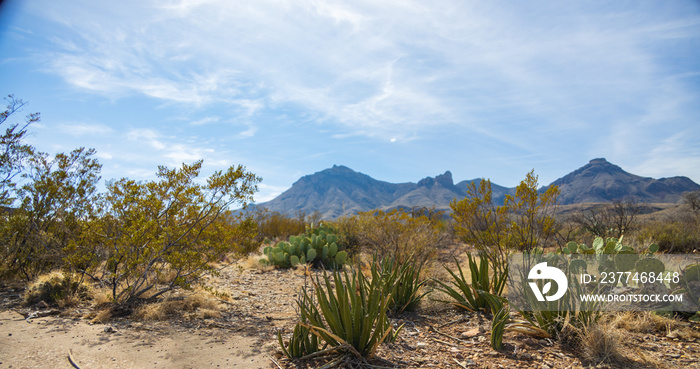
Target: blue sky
[399,90]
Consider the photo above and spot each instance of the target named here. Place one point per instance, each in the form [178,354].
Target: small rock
[530,342]
[42,304]
[421,345]
[526,357]
[454,350]
[471,333]
[109,329]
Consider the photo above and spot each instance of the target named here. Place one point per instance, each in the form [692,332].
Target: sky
[398,90]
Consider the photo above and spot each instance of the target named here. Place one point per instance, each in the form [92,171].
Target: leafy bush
[673,236]
[524,222]
[470,296]
[58,201]
[273,225]
[396,234]
[166,226]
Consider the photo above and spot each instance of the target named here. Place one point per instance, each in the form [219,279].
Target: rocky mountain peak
[444,180]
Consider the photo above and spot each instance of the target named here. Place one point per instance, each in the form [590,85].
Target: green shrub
[672,236]
[469,296]
[396,234]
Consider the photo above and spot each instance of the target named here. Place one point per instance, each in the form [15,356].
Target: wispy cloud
[86,129]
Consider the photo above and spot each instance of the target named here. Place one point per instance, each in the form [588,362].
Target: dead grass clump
[651,323]
[56,288]
[102,316]
[193,306]
[601,343]
[252,261]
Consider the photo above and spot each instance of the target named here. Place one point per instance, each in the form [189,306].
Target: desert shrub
[58,200]
[56,289]
[165,226]
[524,222]
[396,234]
[600,343]
[610,220]
[673,236]
[273,225]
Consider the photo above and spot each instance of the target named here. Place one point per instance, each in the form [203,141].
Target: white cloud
[83,129]
[204,121]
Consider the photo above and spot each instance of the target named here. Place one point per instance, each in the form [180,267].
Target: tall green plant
[402,281]
[468,294]
[346,308]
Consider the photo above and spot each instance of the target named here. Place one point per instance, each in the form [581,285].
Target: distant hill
[601,181]
[340,190]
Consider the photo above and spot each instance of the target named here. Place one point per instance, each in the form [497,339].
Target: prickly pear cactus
[316,246]
[649,265]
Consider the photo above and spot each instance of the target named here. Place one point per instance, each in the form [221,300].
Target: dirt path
[45,343]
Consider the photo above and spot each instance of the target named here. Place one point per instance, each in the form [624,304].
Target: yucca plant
[501,315]
[348,309]
[466,295]
[301,343]
[401,281]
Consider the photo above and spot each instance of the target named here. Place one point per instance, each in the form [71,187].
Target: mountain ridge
[339,190]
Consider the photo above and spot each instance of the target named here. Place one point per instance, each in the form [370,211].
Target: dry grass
[102,316]
[252,261]
[56,288]
[601,343]
[192,306]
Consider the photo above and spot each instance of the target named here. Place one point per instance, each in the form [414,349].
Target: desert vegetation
[372,281]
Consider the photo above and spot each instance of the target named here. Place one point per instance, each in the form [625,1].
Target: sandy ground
[46,342]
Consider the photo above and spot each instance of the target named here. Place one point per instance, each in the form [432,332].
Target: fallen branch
[274,361]
[71,361]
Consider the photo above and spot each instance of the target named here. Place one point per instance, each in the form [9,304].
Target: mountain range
[340,190]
